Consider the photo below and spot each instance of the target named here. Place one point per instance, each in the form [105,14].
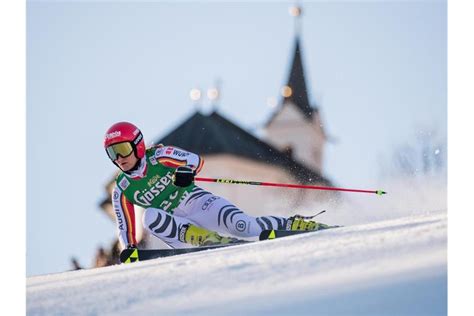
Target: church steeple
[295,90]
[295,127]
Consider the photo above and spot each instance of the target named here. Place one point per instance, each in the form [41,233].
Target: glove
[183,177]
[131,246]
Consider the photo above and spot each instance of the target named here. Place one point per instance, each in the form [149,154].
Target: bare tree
[424,154]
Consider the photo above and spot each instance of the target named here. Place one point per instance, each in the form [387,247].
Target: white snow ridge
[394,267]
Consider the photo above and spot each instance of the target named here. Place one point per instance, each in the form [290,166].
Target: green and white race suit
[168,207]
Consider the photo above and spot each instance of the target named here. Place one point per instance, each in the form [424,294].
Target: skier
[161,180]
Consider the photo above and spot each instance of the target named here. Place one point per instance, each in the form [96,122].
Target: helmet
[124,132]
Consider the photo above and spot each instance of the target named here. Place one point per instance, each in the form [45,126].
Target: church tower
[295,127]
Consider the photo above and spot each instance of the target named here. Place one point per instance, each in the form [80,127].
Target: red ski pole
[283,185]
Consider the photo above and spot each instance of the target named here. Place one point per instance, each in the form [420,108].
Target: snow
[388,267]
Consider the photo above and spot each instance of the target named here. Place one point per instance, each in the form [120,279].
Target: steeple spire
[295,90]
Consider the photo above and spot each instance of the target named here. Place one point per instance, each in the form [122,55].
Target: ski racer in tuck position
[161,180]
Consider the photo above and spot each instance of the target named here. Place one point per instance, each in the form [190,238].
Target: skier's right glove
[183,177]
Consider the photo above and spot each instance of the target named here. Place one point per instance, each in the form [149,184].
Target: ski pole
[284,185]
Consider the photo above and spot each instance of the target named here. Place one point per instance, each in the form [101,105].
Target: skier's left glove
[183,176]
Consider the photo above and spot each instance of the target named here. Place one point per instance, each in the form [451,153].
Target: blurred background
[347,94]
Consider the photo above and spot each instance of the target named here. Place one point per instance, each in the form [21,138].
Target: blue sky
[377,71]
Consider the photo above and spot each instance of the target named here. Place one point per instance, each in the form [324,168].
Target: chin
[124,168]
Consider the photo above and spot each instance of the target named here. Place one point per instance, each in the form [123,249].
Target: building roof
[214,134]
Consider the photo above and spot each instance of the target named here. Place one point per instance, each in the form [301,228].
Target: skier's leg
[165,226]
[179,232]
[218,214]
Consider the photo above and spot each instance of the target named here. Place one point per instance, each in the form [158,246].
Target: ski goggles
[120,149]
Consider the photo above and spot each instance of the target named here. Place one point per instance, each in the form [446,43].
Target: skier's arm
[175,157]
[125,217]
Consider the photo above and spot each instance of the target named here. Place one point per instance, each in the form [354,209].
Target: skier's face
[126,163]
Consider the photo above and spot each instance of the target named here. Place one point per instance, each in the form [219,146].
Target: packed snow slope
[390,267]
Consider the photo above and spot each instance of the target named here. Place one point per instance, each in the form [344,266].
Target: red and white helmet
[123,137]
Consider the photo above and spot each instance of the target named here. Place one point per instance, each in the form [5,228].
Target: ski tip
[129,255]
[267,234]
[380,192]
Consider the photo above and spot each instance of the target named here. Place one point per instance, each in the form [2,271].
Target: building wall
[291,128]
[253,199]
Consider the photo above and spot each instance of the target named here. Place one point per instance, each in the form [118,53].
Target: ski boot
[298,222]
[198,236]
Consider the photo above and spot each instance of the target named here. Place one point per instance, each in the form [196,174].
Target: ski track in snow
[394,267]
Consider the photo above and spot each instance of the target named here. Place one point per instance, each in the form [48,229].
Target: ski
[133,255]
[274,233]
[277,233]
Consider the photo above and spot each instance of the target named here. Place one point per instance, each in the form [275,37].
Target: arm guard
[125,218]
[175,157]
